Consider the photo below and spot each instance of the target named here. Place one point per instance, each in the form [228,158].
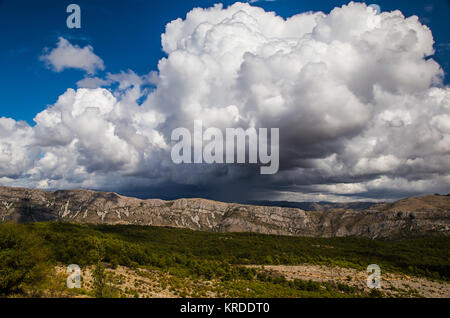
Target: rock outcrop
[429,215]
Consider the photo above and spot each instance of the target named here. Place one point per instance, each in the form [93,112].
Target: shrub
[24,263]
[103,286]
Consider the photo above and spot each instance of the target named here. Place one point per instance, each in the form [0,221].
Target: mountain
[316,206]
[428,215]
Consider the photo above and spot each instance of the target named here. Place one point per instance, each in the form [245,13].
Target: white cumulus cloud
[65,55]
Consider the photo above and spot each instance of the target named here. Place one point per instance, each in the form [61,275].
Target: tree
[24,265]
[99,276]
[103,285]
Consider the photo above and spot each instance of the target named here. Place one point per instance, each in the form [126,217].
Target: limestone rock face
[429,215]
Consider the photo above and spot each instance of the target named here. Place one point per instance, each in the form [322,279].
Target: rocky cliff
[429,215]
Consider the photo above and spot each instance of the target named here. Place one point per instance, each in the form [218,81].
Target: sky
[361,97]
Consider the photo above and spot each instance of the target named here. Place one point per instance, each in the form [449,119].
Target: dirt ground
[144,283]
[393,284]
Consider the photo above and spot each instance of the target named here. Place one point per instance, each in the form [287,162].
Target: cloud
[66,55]
[361,107]
[15,155]
[254,1]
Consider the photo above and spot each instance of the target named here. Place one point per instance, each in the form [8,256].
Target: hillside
[146,261]
[429,215]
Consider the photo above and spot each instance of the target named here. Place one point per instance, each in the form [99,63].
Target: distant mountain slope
[316,206]
[428,215]
[428,203]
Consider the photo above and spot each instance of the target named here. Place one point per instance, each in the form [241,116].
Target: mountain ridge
[428,215]
[316,206]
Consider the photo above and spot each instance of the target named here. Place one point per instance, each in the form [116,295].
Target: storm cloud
[360,103]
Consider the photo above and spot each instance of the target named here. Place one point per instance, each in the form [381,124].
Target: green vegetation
[27,250]
[103,286]
[23,260]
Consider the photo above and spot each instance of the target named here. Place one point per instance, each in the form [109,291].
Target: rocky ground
[138,283]
[395,285]
[145,283]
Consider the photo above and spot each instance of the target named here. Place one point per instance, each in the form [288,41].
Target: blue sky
[128,36]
